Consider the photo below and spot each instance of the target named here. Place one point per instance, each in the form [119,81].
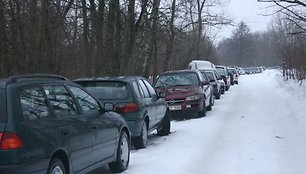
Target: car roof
[32,78]
[120,78]
[181,71]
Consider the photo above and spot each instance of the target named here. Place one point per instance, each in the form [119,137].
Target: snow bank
[291,90]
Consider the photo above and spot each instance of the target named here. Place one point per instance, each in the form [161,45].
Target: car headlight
[193,97]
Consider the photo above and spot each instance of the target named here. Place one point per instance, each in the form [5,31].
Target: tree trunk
[171,40]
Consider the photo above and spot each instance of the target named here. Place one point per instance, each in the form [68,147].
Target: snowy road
[252,129]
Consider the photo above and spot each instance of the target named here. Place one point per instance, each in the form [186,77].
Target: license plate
[175,107]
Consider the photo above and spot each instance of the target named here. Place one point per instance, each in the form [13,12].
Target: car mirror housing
[212,80]
[205,83]
[161,94]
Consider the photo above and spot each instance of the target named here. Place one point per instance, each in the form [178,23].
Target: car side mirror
[205,83]
[161,94]
[109,106]
[212,80]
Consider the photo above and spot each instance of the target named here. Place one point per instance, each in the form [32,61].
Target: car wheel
[56,167]
[211,103]
[203,112]
[166,124]
[142,140]
[223,90]
[123,155]
[218,95]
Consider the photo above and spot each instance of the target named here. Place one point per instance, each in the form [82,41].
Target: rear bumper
[37,167]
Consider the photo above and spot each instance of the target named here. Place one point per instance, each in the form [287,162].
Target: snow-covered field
[257,127]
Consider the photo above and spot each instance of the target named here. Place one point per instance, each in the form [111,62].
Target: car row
[50,124]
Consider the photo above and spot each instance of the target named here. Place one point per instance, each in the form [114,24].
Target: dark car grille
[175,101]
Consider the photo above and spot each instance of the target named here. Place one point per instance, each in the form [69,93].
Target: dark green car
[49,124]
[136,100]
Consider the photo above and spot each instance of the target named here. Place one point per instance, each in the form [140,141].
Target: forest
[82,38]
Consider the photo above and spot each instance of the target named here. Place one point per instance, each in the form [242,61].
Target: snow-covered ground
[257,127]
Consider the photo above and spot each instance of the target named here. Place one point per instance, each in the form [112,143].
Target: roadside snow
[257,127]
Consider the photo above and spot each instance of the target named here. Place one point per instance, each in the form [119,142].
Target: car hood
[180,91]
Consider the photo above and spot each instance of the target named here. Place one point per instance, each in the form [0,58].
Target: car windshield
[107,90]
[177,79]
[221,71]
[210,75]
[233,71]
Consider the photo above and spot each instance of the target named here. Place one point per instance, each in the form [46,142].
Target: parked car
[213,80]
[223,71]
[136,100]
[187,92]
[200,64]
[49,124]
[233,72]
[220,81]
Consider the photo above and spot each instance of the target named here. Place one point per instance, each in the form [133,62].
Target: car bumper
[135,127]
[37,167]
[185,109]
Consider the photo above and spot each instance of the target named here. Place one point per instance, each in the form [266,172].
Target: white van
[201,64]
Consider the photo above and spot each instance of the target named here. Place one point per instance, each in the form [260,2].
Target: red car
[188,93]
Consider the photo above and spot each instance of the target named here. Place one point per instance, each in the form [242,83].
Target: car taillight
[126,107]
[10,140]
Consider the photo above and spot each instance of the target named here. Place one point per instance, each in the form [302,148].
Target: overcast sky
[250,11]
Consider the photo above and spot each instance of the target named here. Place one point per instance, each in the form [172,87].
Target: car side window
[88,104]
[136,89]
[150,88]
[144,89]
[61,101]
[33,104]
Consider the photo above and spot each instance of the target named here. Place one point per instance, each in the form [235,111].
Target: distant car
[187,92]
[214,82]
[136,100]
[220,81]
[223,72]
[200,64]
[49,124]
[234,75]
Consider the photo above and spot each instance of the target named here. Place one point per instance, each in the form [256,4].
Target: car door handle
[65,133]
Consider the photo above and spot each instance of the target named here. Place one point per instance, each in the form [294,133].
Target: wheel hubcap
[57,170]
[124,148]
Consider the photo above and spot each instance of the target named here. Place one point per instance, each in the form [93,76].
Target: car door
[207,89]
[104,129]
[158,104]
[73,127]
[148,104]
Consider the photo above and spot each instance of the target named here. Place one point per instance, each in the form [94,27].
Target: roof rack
[16,78]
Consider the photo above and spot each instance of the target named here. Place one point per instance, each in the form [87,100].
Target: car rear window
[221,71]
[2,106]
[107,90]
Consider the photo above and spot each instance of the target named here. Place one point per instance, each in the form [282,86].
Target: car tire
[211,103]
[204,110]
[218,95]
[165,126]
[223,91]
[142,140]
[123,154]
[56,166]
